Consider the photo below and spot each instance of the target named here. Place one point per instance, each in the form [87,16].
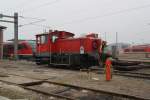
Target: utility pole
[1,41]
[15,22]
[16,35]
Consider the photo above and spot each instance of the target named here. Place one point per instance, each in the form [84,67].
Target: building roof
[2,27]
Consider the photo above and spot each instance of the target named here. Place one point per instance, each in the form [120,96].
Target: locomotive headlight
[95,45]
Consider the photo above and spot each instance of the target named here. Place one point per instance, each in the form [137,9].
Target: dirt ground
[32,73]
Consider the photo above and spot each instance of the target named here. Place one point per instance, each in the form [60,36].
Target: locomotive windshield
[44,39]
[54,38]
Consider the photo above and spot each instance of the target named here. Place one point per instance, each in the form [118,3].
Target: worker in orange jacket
[105,60]
[108,69]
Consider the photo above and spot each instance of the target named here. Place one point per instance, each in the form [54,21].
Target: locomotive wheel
[38,63]
[50,65]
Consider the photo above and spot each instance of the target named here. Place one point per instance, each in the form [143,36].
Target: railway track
[64,88]
[129,74]
[133,74]
[38,91]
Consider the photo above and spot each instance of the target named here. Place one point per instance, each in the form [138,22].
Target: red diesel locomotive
[26,49]
[62,48]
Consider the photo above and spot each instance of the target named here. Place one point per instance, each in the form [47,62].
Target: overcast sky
[130,18]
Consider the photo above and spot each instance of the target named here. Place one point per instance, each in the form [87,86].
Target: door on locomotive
[42,47]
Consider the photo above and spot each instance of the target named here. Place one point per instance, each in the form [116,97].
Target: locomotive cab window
[38,40]
[54,38]
[44,39]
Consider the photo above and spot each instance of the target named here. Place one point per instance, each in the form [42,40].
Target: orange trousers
[108,69]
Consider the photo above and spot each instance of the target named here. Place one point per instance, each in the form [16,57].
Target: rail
[69,86]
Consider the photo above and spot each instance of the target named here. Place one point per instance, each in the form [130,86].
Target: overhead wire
[20,5]
[89,18]
[31,23]
[34,23]
[49,3]
[85,19]
[24,3]
[39,6]
[108,14]
[32,18]
[40,20]
[44,26]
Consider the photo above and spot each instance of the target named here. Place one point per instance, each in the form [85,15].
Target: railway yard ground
[24,80]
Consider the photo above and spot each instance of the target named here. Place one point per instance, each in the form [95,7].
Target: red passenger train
[26,49]
[62,48]
[138,48]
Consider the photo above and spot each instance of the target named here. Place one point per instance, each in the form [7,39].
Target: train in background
[26,49]
[138,48]
[63,49]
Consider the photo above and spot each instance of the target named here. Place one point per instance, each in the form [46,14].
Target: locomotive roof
[57,33]
[42,34]
[66,33]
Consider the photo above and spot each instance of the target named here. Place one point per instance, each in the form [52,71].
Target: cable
[44,26]
[30,18]
[24,3]
[34,23]
[20,5]
[49,3]
[31,23]
[42,5]
[108,14]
